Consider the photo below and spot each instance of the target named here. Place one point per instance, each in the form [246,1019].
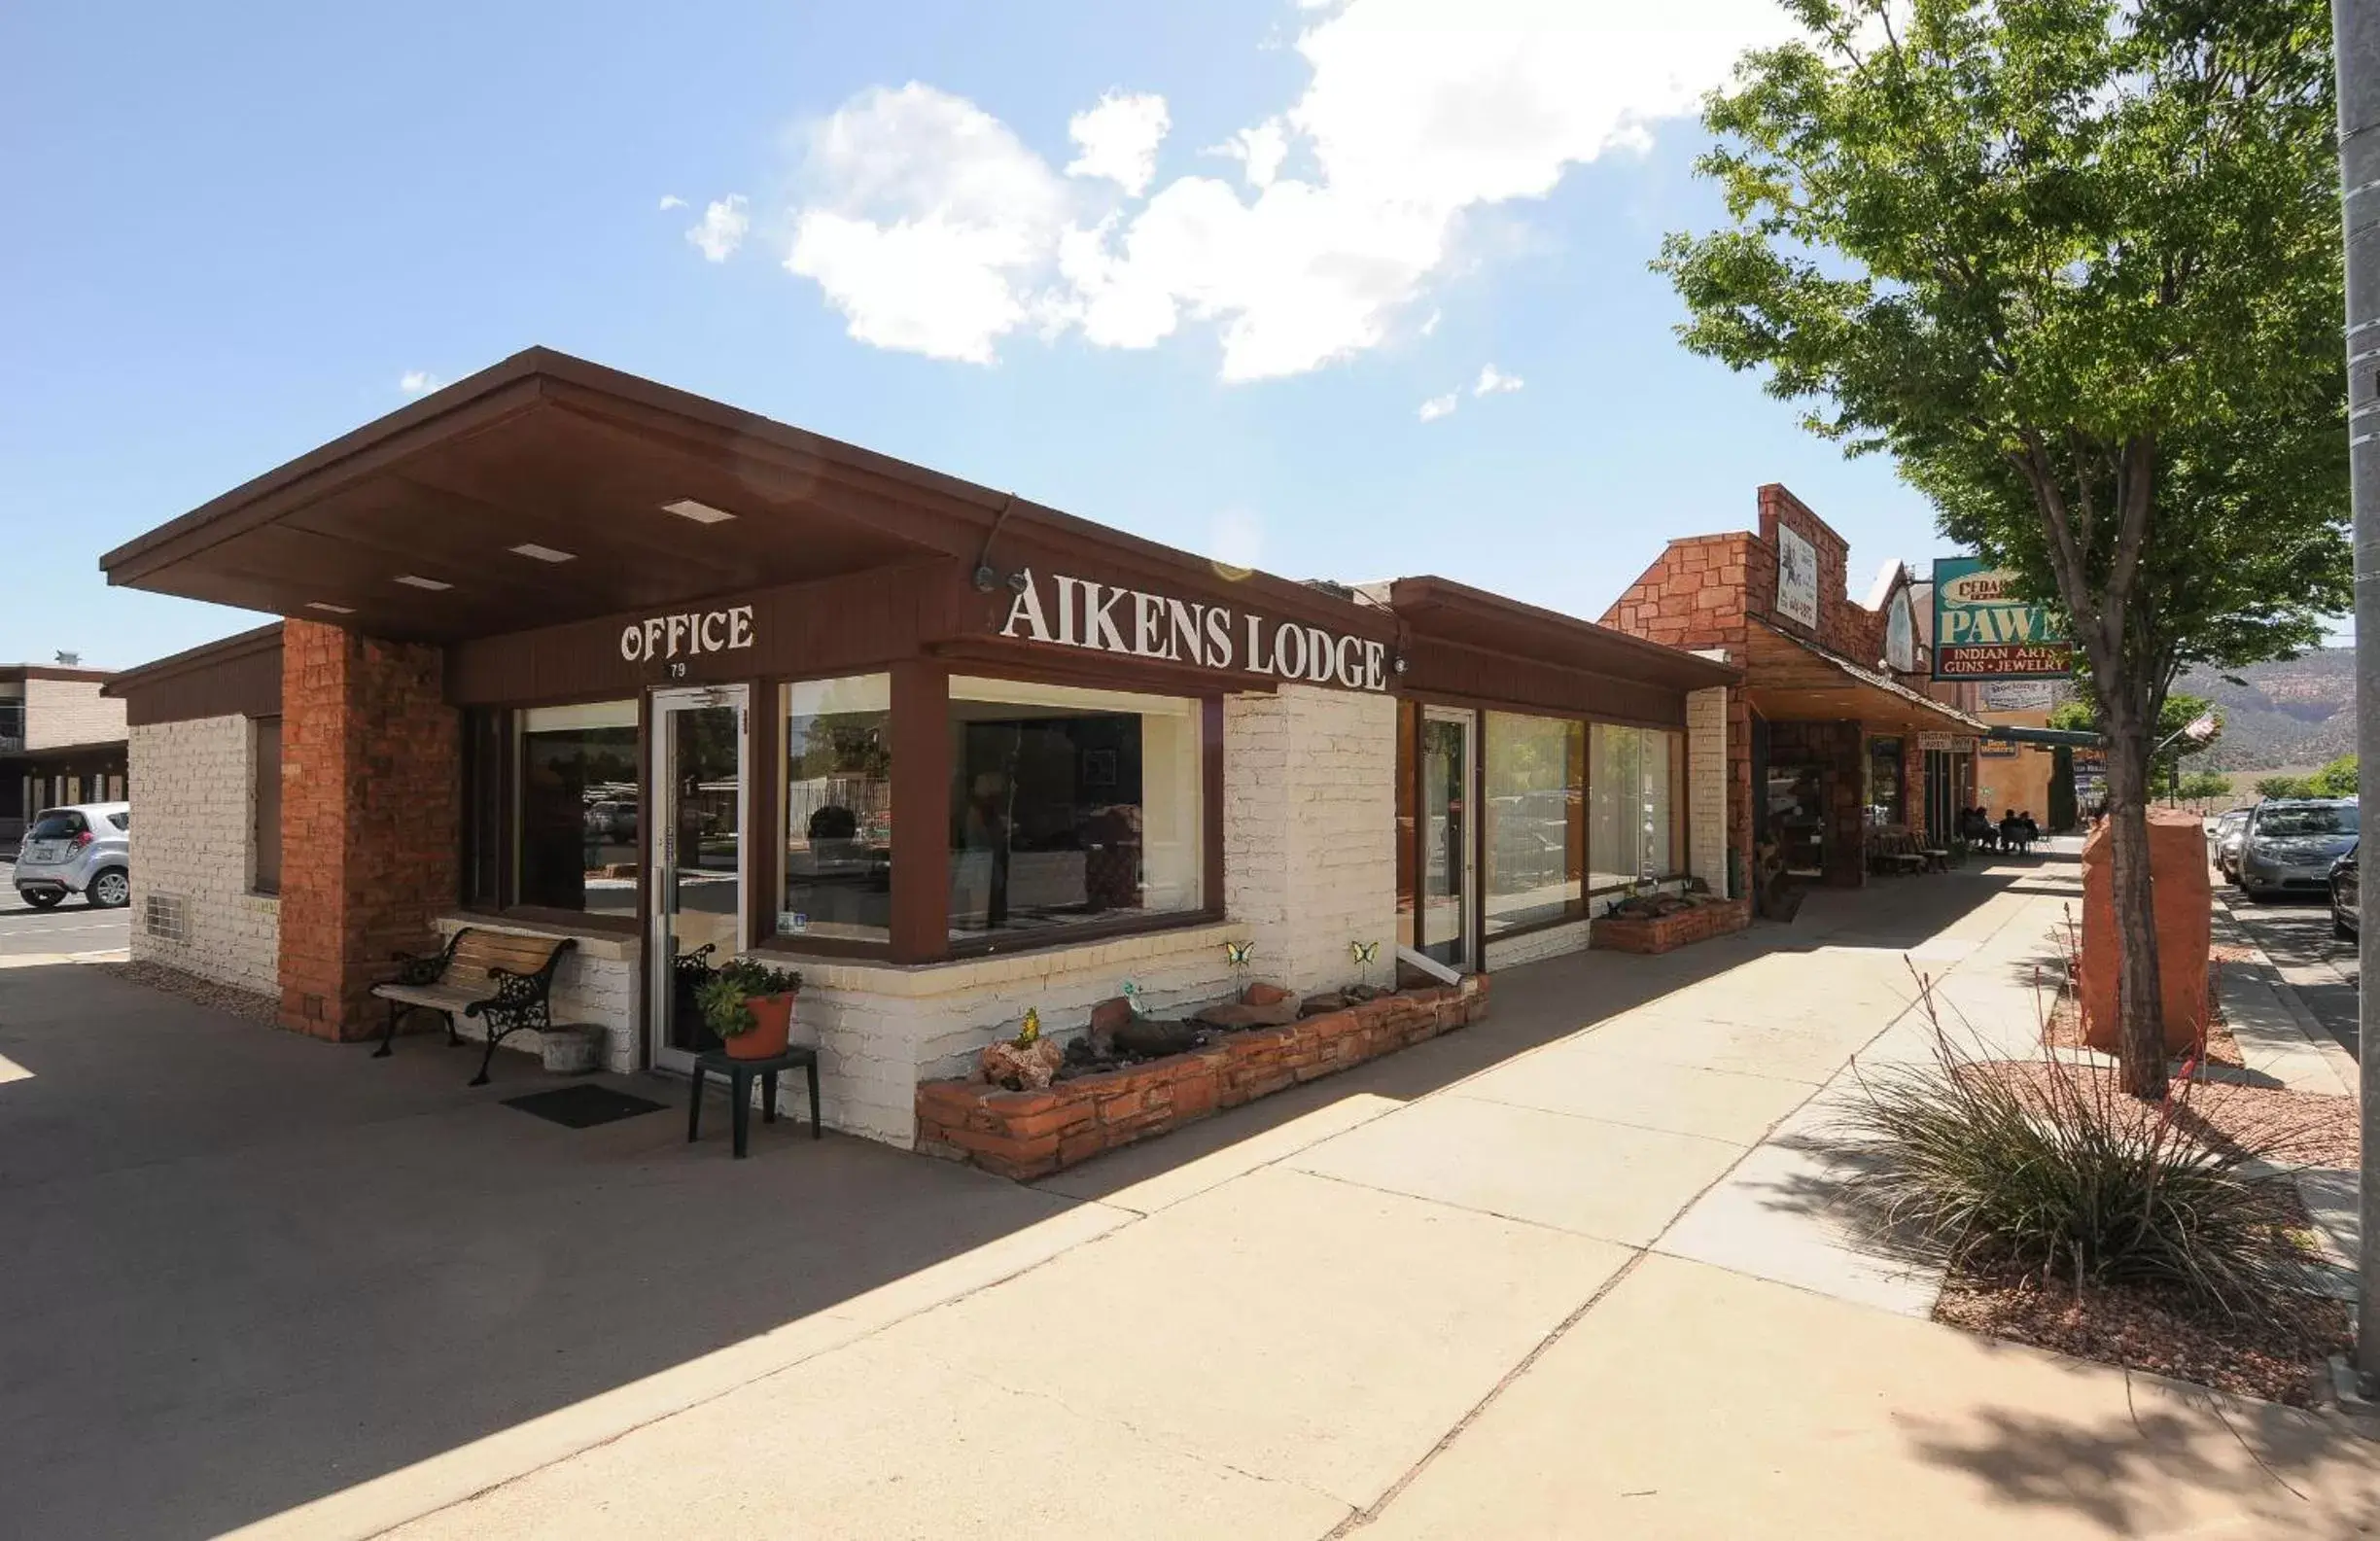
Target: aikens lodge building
[569,653]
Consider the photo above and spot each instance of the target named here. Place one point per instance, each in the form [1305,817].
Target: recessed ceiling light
[542,553]
[328,607]
[411,580]
[699,512]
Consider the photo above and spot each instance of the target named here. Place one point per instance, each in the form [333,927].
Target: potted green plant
[749,1005]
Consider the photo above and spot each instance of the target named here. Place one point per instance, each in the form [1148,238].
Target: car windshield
[58,823]
[2285,823]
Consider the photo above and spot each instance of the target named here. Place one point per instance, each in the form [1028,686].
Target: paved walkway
[1576,1269]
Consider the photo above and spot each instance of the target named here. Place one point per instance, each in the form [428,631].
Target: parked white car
[85,849]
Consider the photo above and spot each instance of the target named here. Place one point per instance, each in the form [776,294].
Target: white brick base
[192,792]
[1706,786]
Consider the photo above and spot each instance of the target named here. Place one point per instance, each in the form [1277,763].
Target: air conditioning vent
[165,916]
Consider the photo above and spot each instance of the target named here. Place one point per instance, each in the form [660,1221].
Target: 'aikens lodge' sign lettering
[1081,614]
[663,637]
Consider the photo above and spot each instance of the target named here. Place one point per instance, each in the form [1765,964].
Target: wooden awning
[1787,680]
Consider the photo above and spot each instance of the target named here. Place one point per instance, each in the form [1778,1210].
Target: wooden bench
[498,976]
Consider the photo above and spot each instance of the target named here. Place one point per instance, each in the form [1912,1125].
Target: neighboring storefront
[569,651]
[1830,738]
[61,742]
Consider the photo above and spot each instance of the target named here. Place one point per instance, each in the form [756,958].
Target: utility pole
[2355,26]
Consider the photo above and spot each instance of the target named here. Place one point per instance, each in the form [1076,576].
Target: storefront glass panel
[838,809]
[1634,802]
[698,855]
[1445,835]
[1535,770]
[575,809]
[1071,806]
[1887,802]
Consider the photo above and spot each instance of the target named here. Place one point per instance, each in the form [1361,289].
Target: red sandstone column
[370,815]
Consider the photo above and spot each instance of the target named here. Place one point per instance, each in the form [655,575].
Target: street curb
[2308,1028]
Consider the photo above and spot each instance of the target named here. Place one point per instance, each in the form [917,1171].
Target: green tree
[2076,265]
[2179,712]
[2283,786]
[2334,780]
[2205,786]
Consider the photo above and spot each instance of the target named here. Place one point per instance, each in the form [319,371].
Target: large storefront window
[1071,806]
[1536,772]
[838,809]
[1634,797]
[576,808]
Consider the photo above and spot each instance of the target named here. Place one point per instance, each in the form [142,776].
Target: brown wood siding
[244,683]
[1451,672]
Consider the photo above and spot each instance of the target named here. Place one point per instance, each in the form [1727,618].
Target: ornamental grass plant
[2047,1168]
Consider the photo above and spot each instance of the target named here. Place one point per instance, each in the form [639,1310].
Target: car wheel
[111,890]
[41,900]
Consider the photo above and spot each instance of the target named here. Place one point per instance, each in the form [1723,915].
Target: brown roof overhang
[1787,680]
[1441,608]
[544,449]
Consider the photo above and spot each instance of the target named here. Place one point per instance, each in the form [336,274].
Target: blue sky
[235,230]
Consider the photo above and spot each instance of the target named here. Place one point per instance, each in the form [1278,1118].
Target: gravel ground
[2277,1355]
[2064,1030]
[251,1004]
[2295,1128]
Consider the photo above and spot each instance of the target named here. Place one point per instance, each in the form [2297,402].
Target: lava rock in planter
[1263,993]
[1356,994]
[1021,1069]
[1327,1002]
[1145,1037]
[1106,1019]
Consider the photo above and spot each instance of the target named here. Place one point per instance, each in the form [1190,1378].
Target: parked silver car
[85,849]
[2289,844]
[2226,838]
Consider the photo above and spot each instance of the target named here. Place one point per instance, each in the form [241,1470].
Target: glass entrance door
[1446,845]
[701,768]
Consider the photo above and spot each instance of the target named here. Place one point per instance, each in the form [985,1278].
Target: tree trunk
[2139,996]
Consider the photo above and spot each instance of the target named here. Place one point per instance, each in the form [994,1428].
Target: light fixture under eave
[415,581]
[329,608]
[699,512]
[542,553]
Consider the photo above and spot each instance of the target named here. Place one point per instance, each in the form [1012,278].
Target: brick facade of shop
[370,819]
[1705,593]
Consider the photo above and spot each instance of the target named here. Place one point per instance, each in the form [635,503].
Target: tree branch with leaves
[2074,265]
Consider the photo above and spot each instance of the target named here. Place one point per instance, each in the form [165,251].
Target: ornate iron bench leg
[494,1037]
[453,1038]
[387,1035]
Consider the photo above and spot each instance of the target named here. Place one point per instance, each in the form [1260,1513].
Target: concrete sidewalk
[1555,1275]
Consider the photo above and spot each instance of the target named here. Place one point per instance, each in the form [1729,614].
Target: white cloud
[1260,150]
[1438,406]
[1494,382]
[1118,139]
[930,224]
[934,228]
[418,382]
[724,223]
[671,200]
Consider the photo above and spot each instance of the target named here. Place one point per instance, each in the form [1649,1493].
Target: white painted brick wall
[1309,830]
[191,795]
[1706,786]
[63,712]
[881,1028]
[1551,942]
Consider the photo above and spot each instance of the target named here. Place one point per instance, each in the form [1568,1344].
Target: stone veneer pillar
[1310,831]
[370,814]
[1708,777]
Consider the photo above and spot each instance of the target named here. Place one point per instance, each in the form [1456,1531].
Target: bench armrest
[414,968]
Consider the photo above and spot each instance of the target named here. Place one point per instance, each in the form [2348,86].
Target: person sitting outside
[1980,831]
[2011,830]
[2030,829]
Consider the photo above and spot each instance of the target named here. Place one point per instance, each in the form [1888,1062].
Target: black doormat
[583,1107]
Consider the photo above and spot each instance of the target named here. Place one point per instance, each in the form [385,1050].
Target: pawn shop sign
[1982,631]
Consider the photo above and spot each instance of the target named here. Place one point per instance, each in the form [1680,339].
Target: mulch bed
[248,1005]
[2064,1030]
[2277,1356]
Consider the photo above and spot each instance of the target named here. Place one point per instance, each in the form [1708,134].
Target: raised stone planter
[1667,932]
[1027,1135]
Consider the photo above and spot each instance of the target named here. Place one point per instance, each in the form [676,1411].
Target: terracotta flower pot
[772,1026]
